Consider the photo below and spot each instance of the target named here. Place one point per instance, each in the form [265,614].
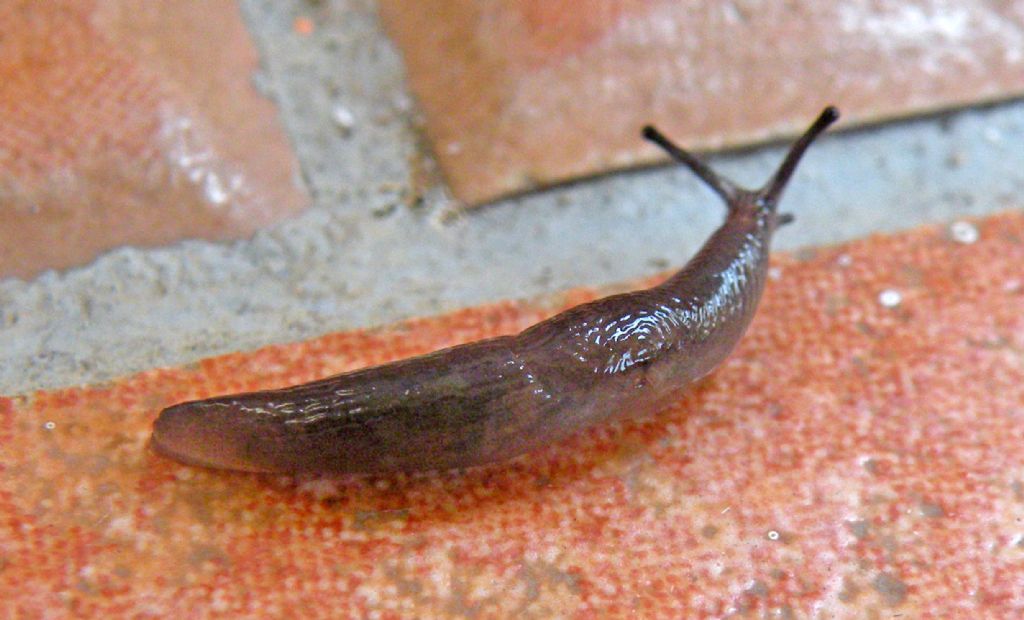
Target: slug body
[486,401]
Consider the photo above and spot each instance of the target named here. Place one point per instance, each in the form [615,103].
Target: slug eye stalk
[768,196]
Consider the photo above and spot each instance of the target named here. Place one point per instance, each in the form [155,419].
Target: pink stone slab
[520,94]
[858,456]
[132,123]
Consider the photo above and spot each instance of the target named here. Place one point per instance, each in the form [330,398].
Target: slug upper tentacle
[491,400]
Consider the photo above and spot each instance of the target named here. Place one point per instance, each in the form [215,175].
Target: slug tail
[205,434]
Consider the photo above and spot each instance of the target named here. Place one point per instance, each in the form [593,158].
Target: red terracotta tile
[851,459]
[132,123]
[519,94]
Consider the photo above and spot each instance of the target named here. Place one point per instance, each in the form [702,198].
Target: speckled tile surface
[125,123]
[859,455]
[519,94]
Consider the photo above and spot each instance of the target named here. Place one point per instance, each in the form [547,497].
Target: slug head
[765,200]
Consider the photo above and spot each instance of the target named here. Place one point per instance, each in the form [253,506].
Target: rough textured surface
[128,124]
[520,94]
[858,456]
[374,248]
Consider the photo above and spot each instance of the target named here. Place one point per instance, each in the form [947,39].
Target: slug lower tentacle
[486,401]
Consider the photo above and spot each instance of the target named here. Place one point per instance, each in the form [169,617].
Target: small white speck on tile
[49,425]
[774,273]
[716,568]
[343,119]
[120,525]
[1013,286]
[844,260]
[964,232]
[890,298]
[993,135]
[215,190]
[320,488]
[439,579]
[773,535]
[401,102]
[219,601]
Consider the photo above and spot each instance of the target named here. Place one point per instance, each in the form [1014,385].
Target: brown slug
[482,402]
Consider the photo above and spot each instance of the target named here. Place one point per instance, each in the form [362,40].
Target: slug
[621,356]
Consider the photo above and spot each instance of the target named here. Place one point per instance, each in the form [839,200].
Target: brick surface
[125,123]
[859,455]
[520,94]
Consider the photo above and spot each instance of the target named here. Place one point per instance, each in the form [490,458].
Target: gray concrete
[361,257]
